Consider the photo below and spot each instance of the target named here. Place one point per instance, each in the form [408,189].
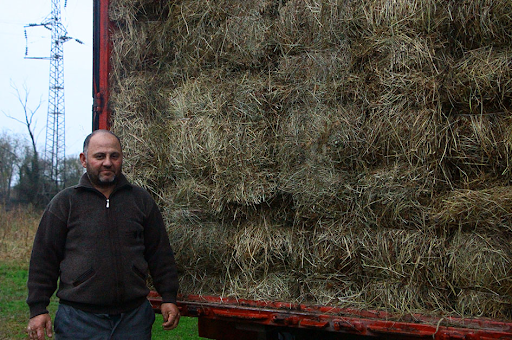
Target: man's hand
[38,325]
[171,315]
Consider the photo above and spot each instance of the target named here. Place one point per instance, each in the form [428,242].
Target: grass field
[17,228]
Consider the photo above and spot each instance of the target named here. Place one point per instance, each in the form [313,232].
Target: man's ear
[83,160]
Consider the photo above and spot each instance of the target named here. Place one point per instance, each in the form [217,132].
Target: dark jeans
[74,324]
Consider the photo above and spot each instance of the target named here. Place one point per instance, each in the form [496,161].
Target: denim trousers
[74,324]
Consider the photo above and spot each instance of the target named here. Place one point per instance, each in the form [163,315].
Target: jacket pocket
[84,277]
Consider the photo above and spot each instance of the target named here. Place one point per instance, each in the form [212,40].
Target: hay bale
[275,283]
[329,249]
[473,303]
[404,299]
[481,262]
[479,85]
[481,23]
[202,246]
[399,16]
[332,152]
[259,247]
[397,255]
[483,211]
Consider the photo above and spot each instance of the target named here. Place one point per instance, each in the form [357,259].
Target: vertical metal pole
[101,65]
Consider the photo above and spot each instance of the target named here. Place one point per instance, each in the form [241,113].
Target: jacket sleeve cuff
[36,310]
[168,298]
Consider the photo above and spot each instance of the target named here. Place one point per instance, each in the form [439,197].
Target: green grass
[187,329]
[14,310]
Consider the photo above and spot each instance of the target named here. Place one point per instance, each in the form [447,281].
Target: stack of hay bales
[350,153]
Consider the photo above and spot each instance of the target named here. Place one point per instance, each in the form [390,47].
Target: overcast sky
[17,71]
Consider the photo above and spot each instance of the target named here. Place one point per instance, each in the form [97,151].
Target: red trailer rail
[227,319]
[102,47]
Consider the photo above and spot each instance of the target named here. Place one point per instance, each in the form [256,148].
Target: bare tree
[30,176]
[28,114]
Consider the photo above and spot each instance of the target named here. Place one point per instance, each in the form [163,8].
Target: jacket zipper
[114,251]
[114,240]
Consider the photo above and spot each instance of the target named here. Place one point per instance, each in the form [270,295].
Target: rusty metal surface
[331,319]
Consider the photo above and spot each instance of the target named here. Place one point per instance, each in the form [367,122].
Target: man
[101,238]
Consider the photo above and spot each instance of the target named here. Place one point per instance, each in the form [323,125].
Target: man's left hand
[171,315]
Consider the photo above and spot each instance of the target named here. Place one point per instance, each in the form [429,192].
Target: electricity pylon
[55,144]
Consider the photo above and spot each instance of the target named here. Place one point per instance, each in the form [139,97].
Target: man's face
[104,160]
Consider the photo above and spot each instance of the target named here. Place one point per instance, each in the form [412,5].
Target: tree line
[24,174]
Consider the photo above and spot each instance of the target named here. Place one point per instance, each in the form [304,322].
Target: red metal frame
[214,311]
[101,65]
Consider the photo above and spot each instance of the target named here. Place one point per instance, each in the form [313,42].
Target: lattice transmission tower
[55,144]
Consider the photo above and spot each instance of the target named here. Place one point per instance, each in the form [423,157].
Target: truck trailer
[359,64]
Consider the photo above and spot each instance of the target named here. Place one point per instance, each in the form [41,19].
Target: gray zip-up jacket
[102,250]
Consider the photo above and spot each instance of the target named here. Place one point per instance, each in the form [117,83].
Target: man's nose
[107,161]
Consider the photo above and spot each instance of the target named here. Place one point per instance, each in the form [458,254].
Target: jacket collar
[85,183]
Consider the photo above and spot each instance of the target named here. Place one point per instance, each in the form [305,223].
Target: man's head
[103,158]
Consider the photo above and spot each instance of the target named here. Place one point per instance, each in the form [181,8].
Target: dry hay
[399,15]
[18,226]
[353,153]
[246,284]
[401,256]
[471,303]
[483,265]
[328,249]
[404,299]
[330,290]
[485,210]
[481,23]
[480,265]
[258,247]
[481,83]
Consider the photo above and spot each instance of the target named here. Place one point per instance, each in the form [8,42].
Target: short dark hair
[95,132]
